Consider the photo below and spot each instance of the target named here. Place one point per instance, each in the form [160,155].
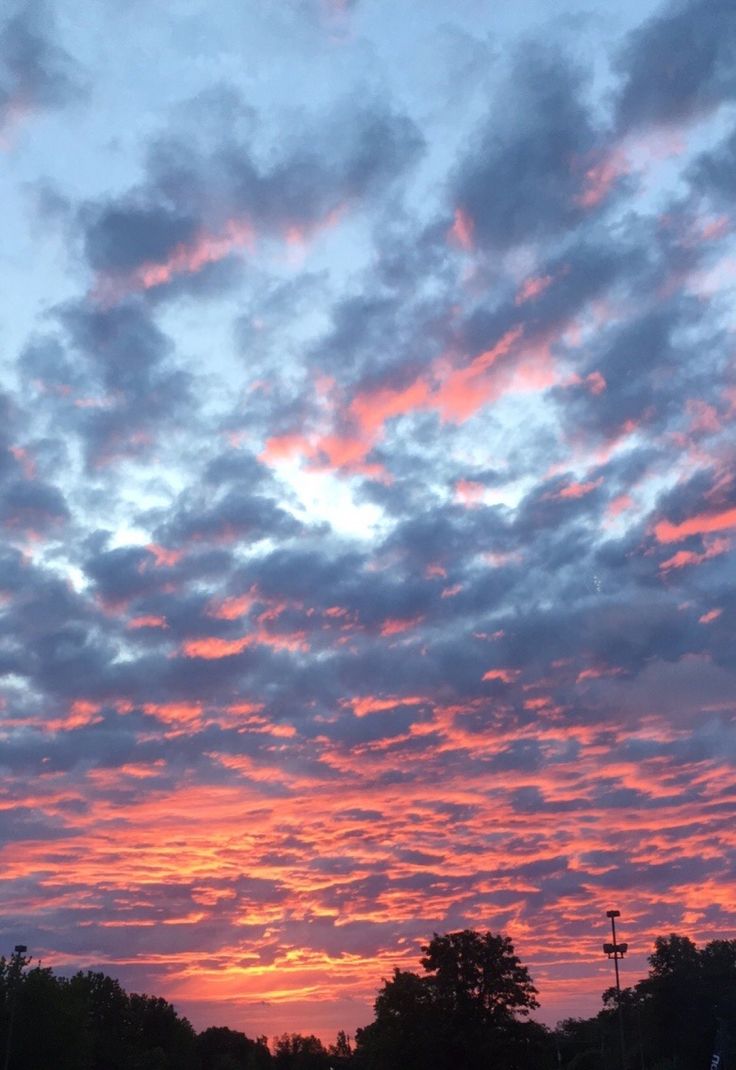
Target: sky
[367,491]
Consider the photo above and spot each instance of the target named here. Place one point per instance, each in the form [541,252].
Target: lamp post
[617,951]
[17,962]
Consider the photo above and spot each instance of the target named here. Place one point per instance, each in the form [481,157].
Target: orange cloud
[373,408]
[701,524]
[176,713]
[506,676]
[597,672]
[147,622]
[232,608]
[369,704]
[212,648]
[711,615]
[455,392]
[579,490]
[81,713]
[397,625]
[714,547]
[463,391]
[164,558]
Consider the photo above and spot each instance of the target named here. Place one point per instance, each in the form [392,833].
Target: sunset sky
[367,491]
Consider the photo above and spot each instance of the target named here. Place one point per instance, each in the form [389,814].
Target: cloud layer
[368,502]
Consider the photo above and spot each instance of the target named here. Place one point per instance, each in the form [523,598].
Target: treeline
[468,1008]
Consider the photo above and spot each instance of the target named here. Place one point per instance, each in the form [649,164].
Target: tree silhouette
[464,1012]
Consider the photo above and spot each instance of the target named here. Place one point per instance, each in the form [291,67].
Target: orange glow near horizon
[293,805]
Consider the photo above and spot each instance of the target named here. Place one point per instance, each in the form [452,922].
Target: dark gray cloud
[521,178]
[197,209]
[677,65]
[111,376]
[713,172]
[36,73]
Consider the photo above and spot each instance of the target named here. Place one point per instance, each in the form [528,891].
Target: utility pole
[617,951]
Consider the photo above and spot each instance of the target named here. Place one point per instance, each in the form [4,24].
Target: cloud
[36,73]
[712,171]
[110,375]
[198,209]
[676,66]
[368,526]
[519,179]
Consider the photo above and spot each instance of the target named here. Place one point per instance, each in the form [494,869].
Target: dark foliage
[465,1011]
[221,1048]
[676,1018]
[468,1009]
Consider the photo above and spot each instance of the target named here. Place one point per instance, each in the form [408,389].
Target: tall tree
[465,1012]
[674,1018]
[478,976]
[292,1051]
[221,1048]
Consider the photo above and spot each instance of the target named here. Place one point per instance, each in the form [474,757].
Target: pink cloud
[468,492]
[601,176]
[532,288]
[372,409]
[163,557]
[397,625]
[714,547]
[702,523]
[211,648]
[506,676]
[596,383]
[149,621]
[619,505]
[232,608]
[185,259]
[24,459]
[579,490]
[461,231]
[366,704]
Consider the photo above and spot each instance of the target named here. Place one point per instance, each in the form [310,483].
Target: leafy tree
[464,1012]
[673,1018]
[341,1049]
[578,1044]
[478,976]
[108,1019]
[162,1040]
[292,1051]
[49,1025]
[685,995]
[405,1032]
[88,1023]
[221,1048]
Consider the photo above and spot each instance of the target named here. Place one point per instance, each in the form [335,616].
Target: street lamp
[617,951]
